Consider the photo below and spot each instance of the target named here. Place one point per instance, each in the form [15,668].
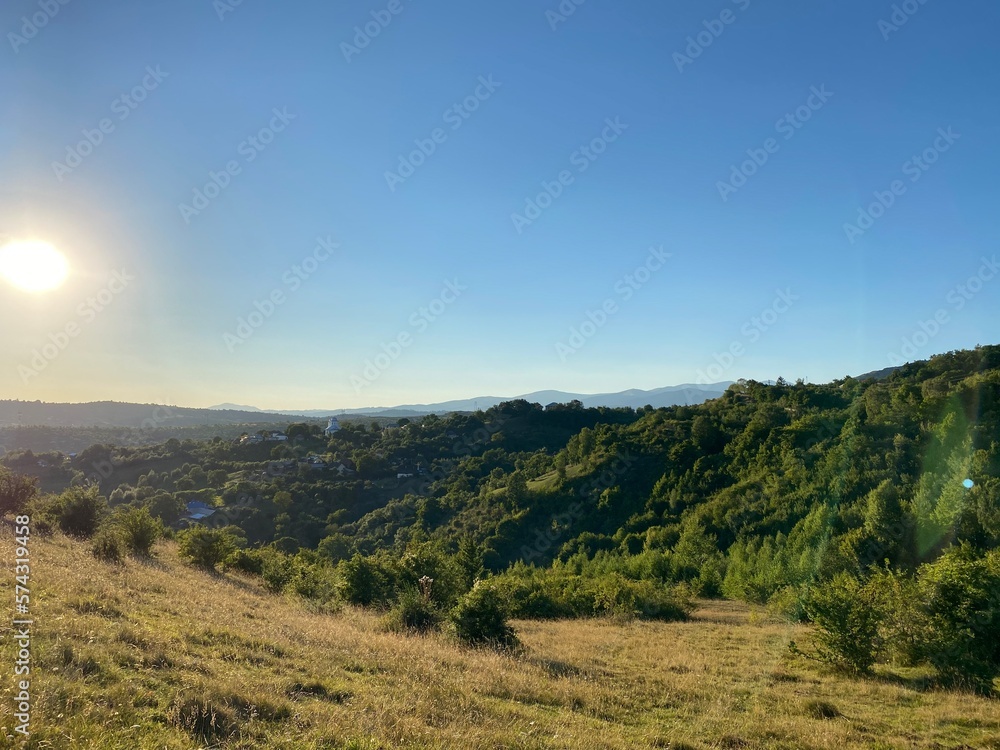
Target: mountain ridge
[685,393]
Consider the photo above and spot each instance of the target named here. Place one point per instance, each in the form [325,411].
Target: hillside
[145,654]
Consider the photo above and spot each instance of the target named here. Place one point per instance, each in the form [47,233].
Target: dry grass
[158,655]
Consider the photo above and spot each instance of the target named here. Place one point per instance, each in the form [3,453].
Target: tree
[298,431]
[471,561]
[15,491]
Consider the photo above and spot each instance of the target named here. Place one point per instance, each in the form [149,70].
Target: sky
[332,205]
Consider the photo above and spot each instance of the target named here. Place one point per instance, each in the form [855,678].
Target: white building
[333,427]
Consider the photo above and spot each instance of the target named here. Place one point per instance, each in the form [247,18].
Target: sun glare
[33,266]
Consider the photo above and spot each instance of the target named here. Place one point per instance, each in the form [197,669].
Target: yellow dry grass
[137,656]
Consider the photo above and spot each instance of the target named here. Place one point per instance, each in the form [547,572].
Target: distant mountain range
[118,414]
[658,397]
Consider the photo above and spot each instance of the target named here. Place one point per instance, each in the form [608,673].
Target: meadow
[157,654]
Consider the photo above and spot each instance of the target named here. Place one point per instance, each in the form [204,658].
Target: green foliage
[431,562]
[312,578]
[480,618]
[471,562]
[413,612]
[138,529]
[206,548]
[108,545]
[959,600]
[367,581]
[847,623]
[16,491]
[77,512]
[538,593]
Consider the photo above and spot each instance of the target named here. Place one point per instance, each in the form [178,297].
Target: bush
[78,511]
[367,581]
[311,578]
[206,548]
[139,530]
[959,597]
[108,545]
[276,568]
[480,618]
[248,560]
[15,491]
[413,612]
[449,580]
[544,594]
[847,623]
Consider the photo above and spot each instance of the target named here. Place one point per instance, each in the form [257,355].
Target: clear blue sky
[683,125]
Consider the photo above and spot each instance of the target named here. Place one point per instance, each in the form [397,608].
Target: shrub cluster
[946,615]
[535,593]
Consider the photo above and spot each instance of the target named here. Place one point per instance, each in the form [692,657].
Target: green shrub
[959,596]
[426,559]
[16,491]
[139,530]
[367,581]
[413,612]
[545,594]
[480,618]
[78,511]
[108,545]
[311,578]
[206,548]
[247,560]
[847,623]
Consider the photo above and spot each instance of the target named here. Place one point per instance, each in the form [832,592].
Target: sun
[33,266]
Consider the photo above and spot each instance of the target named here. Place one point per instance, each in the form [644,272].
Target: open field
[150,654]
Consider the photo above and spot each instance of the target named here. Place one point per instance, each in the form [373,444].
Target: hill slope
[147,654]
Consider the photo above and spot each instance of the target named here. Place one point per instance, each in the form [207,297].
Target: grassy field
[158,655]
